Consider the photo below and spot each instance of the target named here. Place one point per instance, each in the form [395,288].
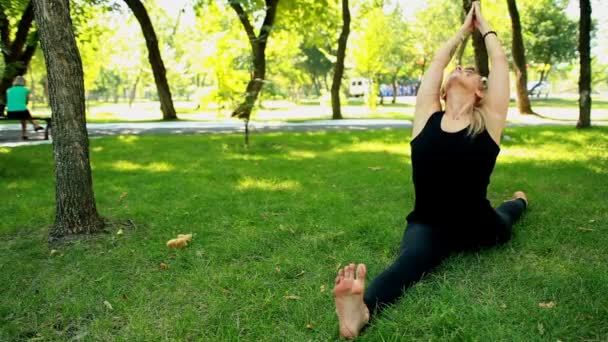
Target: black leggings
[424,247]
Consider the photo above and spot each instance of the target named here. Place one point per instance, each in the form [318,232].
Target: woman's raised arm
[427,99]
[496,101]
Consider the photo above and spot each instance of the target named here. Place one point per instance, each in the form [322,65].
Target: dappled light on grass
[129,139]
[248,183]
[124,165]
[375,146]
[4,150]
[271,225]
[559,144]
[299,154]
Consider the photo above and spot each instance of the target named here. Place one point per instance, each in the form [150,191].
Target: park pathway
[10,133]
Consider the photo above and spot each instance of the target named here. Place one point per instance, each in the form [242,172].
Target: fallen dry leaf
[503,306]
[122,196]
[120,232]
[108,305]
[163,266]
[226,291]
[322,288]
[54,251]
[277,269]
[546,305]
[309,326]
[292,297]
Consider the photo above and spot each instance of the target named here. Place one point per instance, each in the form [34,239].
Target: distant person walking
[17,98]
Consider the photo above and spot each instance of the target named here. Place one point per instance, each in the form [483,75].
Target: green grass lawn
[273,223]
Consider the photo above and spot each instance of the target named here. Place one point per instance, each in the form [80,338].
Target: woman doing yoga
[454,151]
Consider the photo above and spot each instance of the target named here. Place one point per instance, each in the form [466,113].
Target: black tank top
[451,173]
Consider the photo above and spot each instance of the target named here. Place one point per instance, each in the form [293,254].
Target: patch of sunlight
[403,149]
[129,139]
[12,185]
[124,165]
[302,154]
[159,167]
[597,168]
[513,154]
[250,157]
[97,149]
[5,150]
[248,183]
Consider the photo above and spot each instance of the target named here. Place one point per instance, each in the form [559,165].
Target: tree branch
[244,20]
[23,29]
[271,11]
[5,30]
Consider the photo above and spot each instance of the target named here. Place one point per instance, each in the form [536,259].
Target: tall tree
[519,60]
[258,44]
[479,46]
[17,53]
[549,34]
[156,61]
[76,212]
[584,50]
[339,67]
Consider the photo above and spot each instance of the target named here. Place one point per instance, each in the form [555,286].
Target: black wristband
[487,33]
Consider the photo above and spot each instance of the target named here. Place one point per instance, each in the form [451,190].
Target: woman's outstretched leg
[423,248]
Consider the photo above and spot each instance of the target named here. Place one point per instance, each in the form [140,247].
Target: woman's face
[466,78]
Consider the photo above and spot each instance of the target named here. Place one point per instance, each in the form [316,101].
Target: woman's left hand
[478,20]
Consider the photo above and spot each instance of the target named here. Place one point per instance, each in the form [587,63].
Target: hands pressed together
[475,20]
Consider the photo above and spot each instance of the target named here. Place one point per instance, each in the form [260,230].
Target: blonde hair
[478,122]
[19,81]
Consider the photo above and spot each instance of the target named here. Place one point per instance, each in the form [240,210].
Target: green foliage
[550,36]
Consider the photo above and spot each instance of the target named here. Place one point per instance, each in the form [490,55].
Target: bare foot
[522,195]
[348,294]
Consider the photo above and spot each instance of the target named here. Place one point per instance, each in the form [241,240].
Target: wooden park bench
[47,121]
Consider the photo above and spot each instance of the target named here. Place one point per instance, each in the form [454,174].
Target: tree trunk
[519,60]
[394,89]
[258,50]
[584,81]
[134,90]
[76,212]
[156,61]
[16,58]
[479,46]
[339,68]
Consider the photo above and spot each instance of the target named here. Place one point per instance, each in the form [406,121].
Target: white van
[359,86]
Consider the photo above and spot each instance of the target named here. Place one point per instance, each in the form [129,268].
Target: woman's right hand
[469,23]
[479,21]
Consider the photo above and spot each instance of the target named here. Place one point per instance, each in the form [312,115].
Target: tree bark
[394,89]
[134,90]
[16,57]
[76,212]
[339,68]
[584,50]
[156,61]
[258,50]
[479,46]
[519,60]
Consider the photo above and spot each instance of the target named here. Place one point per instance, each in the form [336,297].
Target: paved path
[10,133]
